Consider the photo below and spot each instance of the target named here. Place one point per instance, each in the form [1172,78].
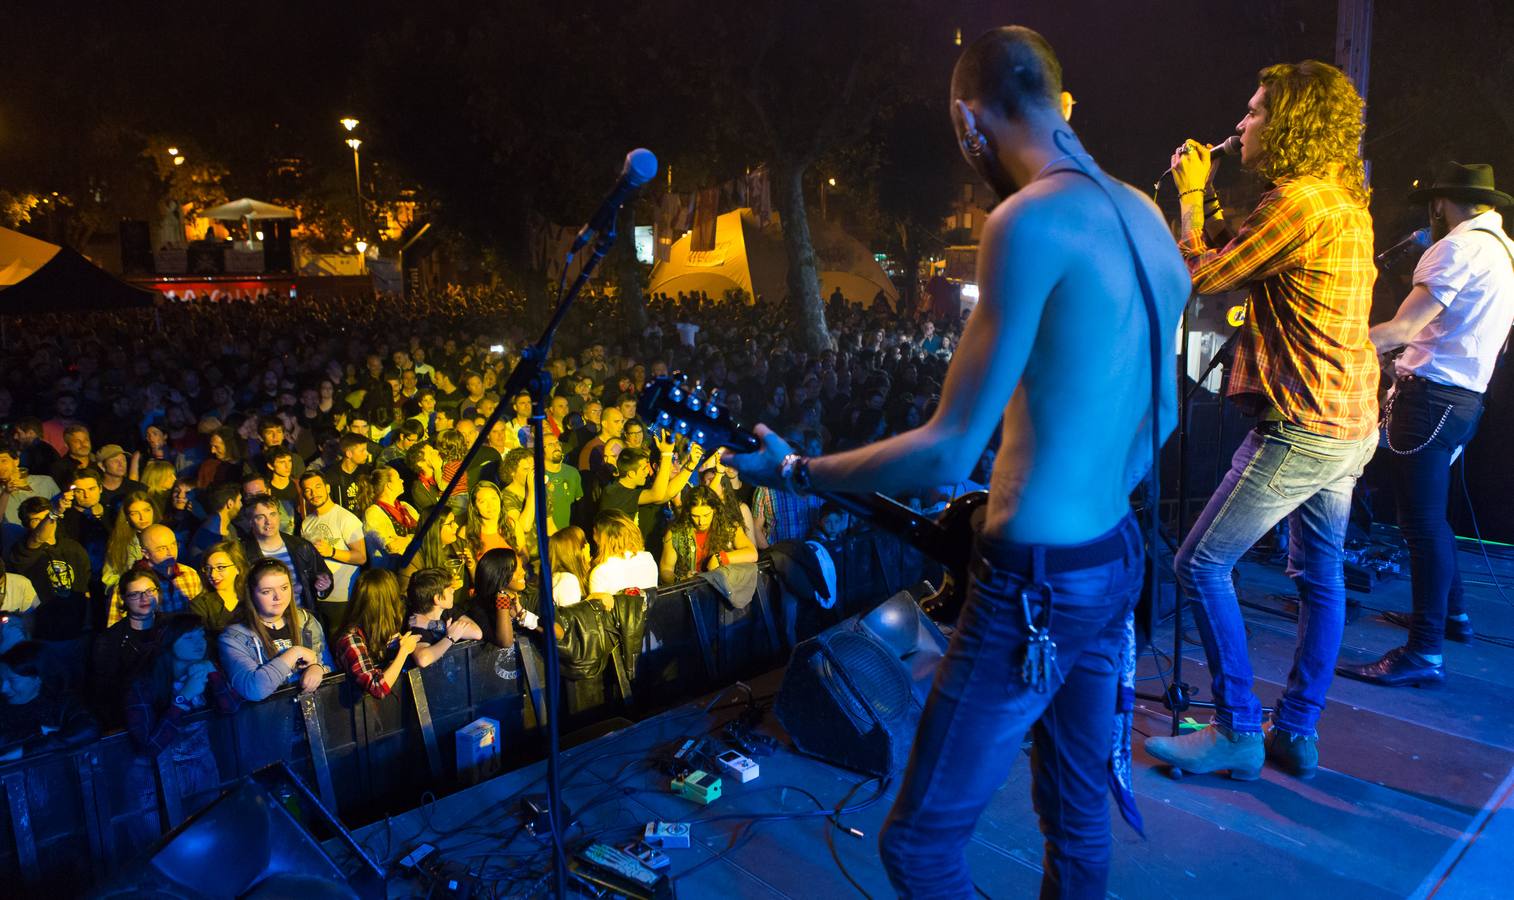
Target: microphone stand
[530,375]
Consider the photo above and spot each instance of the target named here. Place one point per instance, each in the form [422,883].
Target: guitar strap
[1120,777]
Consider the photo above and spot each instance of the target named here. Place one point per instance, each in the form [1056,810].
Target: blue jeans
[980,708]
[1279,470]
[1429,421]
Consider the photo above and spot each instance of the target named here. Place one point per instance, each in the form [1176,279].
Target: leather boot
[1294,754]
[1212,749]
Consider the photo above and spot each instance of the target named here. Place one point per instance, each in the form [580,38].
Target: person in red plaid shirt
[1305,366]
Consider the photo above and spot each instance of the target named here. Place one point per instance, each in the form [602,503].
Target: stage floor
[1412,797]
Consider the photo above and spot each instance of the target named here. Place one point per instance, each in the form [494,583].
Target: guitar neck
[913,526]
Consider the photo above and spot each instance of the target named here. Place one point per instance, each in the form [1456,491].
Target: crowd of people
[201,504]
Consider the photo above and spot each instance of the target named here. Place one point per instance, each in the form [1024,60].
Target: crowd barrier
[74,817]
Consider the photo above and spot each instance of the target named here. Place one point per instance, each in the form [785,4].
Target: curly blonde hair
[1314,126]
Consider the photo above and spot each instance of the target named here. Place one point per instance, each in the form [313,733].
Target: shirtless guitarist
[1058,349]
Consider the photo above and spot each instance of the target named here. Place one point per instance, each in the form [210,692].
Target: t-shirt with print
[344,531]
[283,636]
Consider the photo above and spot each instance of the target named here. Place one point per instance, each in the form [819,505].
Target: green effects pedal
[699,786]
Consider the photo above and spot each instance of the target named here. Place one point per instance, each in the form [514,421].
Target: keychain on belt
[1040,650]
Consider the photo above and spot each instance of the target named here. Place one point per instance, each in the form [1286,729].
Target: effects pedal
[668,835]
[618,871]
[649,856]
[737,766]
[699,786]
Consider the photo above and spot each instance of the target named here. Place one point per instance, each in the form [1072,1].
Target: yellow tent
[752,259]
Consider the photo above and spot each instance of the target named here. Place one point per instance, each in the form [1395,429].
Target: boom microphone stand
[530,375]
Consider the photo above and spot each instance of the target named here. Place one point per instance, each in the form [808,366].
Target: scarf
[404,522]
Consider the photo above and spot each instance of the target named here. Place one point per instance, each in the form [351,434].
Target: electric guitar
[699,414]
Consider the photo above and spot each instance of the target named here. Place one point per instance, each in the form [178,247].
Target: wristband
[529,619]
[795,472]
[725,558]
[1197,190]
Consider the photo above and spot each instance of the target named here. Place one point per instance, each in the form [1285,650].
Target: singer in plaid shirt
[1306,253]
[1306,367]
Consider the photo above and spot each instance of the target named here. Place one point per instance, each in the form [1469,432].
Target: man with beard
[337,535]
[1070,265]
[1451,326]
[564,483]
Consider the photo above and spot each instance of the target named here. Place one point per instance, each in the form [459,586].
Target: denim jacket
[253,675]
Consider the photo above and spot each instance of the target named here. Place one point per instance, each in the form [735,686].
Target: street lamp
[825,213]
[357,176]
[348,122]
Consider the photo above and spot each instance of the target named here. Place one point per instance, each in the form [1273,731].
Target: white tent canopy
[248,208]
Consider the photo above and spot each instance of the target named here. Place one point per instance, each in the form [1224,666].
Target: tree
[806,79]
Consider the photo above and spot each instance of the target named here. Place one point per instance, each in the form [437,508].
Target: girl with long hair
[124,546]
[499,596]
[375,613]
[273,642]
[225,580]
[444,547]
[620,560]
[158,476]
[389,519]
[568,552]
[484,516]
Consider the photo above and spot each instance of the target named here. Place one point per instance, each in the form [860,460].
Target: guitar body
[960,522]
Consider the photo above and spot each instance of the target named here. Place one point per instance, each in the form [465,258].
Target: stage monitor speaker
[261,838]
[136,248]
[853,694]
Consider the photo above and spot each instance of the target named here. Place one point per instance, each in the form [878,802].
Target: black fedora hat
[1471,183]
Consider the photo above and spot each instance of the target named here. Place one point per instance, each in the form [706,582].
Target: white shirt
[20,596]
[566,591]
[620,572]
[345,531]
[1470,274]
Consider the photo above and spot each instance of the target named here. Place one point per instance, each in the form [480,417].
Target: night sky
[249,83]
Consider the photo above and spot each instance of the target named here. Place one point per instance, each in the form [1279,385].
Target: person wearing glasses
[224,570]
[121,650]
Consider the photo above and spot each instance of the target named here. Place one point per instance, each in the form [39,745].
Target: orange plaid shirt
[1306,253]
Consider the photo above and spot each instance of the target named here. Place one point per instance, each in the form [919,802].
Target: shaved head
[1009,69]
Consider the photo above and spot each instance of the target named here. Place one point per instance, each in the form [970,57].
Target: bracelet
[1197,190]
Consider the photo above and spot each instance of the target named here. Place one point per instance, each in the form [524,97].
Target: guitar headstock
[688,408]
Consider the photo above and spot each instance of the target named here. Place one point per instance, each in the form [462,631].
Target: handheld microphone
[640,167]
[1230,145]
[1419,239]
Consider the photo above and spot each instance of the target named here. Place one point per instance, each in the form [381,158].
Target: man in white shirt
[337,535]
[1453,327]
